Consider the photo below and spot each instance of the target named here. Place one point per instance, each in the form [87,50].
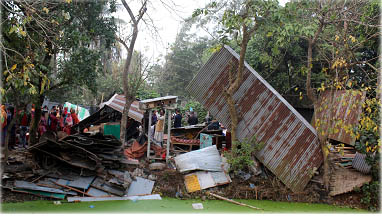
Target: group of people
[157,122]
[58,118]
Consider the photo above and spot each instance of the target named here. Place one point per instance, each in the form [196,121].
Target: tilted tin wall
[347,106]
[291,148]
[117,102]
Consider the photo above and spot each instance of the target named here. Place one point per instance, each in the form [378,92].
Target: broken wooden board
[89,199]
[345,180]
[98,193]
[207,159]
[140,187]
[82,182]
[40,193]
[203,180]
[31,186]
[64,183]
[102,185]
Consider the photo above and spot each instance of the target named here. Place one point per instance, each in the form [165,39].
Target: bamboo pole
[232,201]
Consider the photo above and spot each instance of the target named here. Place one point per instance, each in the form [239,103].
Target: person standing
[68,124]
[159,128]
[53,121]
[24,124]
[42,126]
[74,116]
[3,124]
[177,119]
[193,119]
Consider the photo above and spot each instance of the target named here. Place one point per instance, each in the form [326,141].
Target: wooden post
[168,134]
[149,135]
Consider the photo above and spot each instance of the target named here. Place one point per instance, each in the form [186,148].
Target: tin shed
[291,148]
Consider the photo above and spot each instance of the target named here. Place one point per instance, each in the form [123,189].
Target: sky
[167,16]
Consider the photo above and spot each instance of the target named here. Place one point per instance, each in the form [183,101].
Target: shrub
[240,157]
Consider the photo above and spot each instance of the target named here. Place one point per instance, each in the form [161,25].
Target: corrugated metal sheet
[291,145]
[359,163]
[117,102]
[348,108]
[160,99]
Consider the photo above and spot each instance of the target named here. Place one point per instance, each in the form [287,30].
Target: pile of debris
[79,166]
[343,156]
[205,168]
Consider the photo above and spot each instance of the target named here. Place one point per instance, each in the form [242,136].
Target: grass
[171,205]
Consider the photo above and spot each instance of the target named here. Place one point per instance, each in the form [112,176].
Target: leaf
[8,78]
[46,10]
[68,1]
[13,67]
[22,32]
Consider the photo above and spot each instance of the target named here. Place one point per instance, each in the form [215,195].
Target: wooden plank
[345,180]
[102,185]
[31,186]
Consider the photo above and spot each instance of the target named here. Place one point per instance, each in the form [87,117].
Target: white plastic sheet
[207,159]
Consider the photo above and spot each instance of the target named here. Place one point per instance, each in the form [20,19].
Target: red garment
[75,118]
[42,126]
[67,130]
[24,119]
[53,122]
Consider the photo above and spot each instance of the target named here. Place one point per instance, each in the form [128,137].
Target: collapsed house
[291,150]
[109,115]
[92,165]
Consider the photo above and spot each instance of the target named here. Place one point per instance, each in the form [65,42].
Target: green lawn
[171,205]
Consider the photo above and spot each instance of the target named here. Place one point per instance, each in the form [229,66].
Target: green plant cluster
[197,108]
[371,193]
[240,157]
[368,144]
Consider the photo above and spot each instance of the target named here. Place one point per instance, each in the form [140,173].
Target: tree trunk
[234,85]
[124,119]
[313,98]
[33,131]
[129,93]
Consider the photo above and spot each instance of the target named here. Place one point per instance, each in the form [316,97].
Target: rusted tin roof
[117,102]
[348,108]
[359,163]
[158,102]
[291,148]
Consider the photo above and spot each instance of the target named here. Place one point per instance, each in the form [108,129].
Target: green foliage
[146,92]
[196,107]
[240,157]
[60,46]
[371,195]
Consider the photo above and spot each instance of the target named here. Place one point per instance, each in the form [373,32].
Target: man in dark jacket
[193,119]
[177,119]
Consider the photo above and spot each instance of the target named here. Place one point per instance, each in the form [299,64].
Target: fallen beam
[232,201]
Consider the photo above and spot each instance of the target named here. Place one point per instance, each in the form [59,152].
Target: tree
[131,80]
[333,49]
[241,20]
[50,45]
